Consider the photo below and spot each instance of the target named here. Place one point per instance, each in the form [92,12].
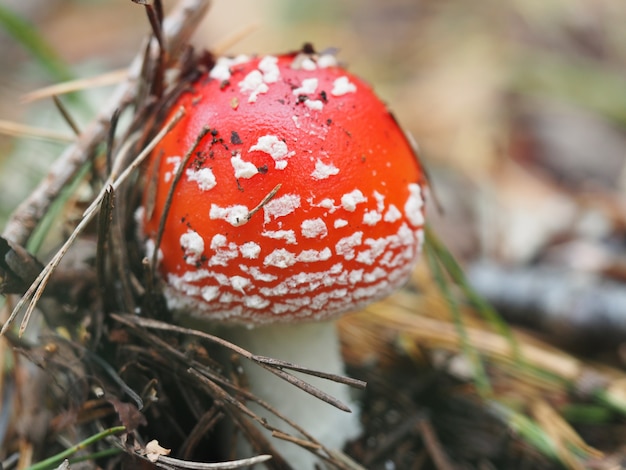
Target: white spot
[392,214]
[299,301]
[296,121]
[209,293]
[323,171]
[326,60]
[277,291]
[288,235]
[221,69]
[242,168]
[350,200]
[377,248]
[310,256]
[386,260]
[419,236]
[175,162]
[250,250]
[192,245]
[405,235]
[309,85]
[218,241]
[338,293]
[138,216]
[204,177]
[180,283]
[150,250]
[235,215]
[339,223]
[257,274]
[281,206]
[372,217]
[226,298]
[254,84]
[193,276]
[299,59]
[345,247]
[319,301]
[256,302]
[355,276]
[239,283]
[377,274]
[314,105]
[276,148]
[280,258]
[279,309]
[413,206]
[308,64]
[327,203]
[314,228]
[269,66]
[341,86]
[336,268]
[380,201]
[371,292]
[223,253]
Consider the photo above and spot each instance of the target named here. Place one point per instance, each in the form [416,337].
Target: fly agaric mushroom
[303,202]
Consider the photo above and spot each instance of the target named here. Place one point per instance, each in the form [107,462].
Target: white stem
[314,345]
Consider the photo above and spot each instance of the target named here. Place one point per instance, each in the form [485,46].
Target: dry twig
[21,130]
[273,365]
[223,391]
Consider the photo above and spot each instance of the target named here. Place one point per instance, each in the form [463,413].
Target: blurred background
[519,109]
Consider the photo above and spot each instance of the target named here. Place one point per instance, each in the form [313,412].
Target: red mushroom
[304,201]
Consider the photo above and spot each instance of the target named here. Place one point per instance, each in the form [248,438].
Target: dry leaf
[154,450]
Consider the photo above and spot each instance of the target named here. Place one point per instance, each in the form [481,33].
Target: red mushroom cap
[346,225]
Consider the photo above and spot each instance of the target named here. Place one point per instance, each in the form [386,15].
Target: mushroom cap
[345,226]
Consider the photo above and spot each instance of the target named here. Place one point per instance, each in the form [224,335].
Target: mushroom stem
[314,345]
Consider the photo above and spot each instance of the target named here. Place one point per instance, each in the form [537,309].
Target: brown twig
[229,397]
[172,463]
[105,218]
[170,194]
[154,11]
[109,78]
[205,424]
[309,444]
[265,363]
[16,129]
[356,383]
[221,389]
[66,114]
[433,446]
[263,202]
[194,368]
[301,442]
